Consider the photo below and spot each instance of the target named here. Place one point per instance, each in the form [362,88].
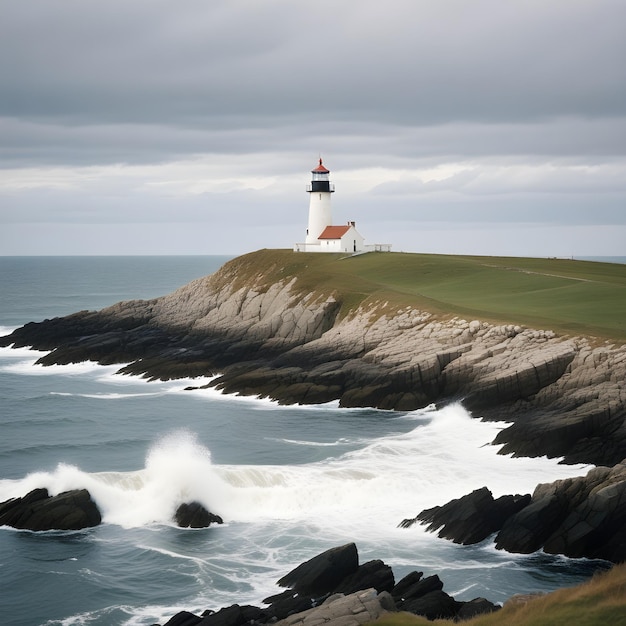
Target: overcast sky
[191,126]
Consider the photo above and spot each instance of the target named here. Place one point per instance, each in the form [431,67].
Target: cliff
[268,324]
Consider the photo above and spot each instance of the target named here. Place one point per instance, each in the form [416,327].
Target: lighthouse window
[320,196]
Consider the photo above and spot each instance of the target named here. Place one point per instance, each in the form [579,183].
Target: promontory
[538,343]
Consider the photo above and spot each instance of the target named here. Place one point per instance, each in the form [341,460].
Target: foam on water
[28,367]
[373,487]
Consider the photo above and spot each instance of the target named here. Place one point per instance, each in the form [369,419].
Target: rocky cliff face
[564,396]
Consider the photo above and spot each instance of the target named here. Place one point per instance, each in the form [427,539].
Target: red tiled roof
[320,168]
[334,232]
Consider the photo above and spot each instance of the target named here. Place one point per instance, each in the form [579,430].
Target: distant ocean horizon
[289,481]
[600,259]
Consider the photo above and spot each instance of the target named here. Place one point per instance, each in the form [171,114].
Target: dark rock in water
[235,615]
[434,605]
[417,590]
[322,573]
[426,597]
[70,510]
[401,590]
[472,518]
[194,515]
[371,575]
[289,603]
[184,618]
[577,517]
[477,606]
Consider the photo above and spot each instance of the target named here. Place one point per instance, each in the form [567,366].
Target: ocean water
[289,482]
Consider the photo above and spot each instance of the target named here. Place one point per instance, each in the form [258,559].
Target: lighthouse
[319,191]
[321,234]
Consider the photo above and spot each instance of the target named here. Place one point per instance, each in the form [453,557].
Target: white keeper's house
[321,234]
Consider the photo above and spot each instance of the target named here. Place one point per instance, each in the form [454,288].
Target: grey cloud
[264,87]
[405,62]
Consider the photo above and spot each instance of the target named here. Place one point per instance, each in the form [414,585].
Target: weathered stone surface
[472,518]
[405,588]
[477,606]
[194,515]
[324,572]
[434,605]
[234,615]
[564,396]
[184,618]
[373,574]
[360,607]
[577,517]
[70,510]
[415,590]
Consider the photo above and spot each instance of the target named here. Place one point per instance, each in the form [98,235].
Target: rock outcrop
[576,517]
[267,336]
[472,518]
[70,510]
[319,594]
[195,515]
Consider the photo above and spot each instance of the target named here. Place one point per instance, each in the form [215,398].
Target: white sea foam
[107,396]
[373,487]
[28,367]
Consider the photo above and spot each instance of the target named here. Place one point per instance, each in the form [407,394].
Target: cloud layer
[449,126]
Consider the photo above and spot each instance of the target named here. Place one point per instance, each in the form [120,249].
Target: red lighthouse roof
[334,232]
[320,169]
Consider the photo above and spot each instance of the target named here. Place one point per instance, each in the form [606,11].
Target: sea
[289,481]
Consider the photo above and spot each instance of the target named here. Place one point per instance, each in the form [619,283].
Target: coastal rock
[434,605]
[361,607]
[194,515]
[414,588]
[324,572]
[472,518]
[576,517]
[373,574]
[266,336]
[70,510]
[339,608]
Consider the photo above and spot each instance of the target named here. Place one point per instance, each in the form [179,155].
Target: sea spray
[446,455]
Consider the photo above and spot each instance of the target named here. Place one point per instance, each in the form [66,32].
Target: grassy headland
[566,296]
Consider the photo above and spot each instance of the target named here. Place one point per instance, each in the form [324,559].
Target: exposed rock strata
[577,517]
[564,396]
[70,510]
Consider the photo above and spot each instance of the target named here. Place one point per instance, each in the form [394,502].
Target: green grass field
[569,297]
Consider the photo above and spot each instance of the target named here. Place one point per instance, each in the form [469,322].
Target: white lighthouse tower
[319,203]
[321,234]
